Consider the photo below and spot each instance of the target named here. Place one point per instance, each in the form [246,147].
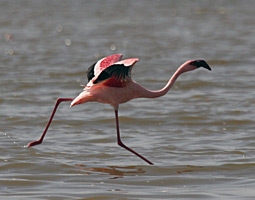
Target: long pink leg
[59,100]
[120,143]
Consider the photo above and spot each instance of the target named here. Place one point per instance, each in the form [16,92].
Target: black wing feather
[90,72]
[118,71]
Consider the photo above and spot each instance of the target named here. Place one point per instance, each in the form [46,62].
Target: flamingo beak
[201,63]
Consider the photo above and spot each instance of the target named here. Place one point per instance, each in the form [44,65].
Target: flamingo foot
[31,144]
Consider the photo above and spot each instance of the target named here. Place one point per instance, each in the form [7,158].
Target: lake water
[200,136]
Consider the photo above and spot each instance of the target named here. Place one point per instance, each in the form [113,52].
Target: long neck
[158,93]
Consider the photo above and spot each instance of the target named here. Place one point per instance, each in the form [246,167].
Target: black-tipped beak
[201,63]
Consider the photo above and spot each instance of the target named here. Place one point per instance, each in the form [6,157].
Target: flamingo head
[200,63]
[192,65]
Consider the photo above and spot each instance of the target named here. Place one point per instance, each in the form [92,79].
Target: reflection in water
[189,169]
[114,171]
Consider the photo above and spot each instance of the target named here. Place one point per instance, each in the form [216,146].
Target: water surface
[200,135]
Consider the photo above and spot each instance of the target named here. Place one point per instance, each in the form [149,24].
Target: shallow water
[200,136]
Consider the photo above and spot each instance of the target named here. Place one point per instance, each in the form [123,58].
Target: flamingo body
[113,84]
[110,82]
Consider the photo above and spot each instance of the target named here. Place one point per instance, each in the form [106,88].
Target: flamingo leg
[59,100]
[120,143]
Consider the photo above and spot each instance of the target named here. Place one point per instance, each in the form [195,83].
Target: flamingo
[110,82]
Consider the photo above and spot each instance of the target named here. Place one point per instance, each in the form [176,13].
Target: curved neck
[158,93]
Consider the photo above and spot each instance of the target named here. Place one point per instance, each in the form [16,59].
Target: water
[200,135]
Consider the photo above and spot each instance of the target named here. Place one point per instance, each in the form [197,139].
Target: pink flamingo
[109,81]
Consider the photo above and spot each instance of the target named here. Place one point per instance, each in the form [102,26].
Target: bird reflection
[114,171]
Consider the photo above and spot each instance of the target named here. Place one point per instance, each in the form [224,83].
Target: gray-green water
[201,135]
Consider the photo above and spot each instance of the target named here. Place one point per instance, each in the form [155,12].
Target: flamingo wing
[117,74]
[95,70]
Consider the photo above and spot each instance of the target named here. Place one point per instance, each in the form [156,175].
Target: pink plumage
[105,63]
[110,82]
